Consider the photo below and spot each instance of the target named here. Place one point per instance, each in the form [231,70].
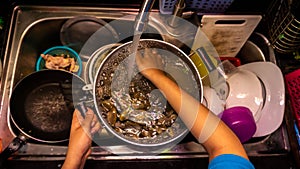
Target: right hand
[149,63]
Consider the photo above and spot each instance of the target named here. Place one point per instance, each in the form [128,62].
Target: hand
[80,140]
[149,63]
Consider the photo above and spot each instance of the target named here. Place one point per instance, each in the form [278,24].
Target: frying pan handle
[14,146]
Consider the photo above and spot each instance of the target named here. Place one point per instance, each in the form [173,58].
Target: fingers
[96,128]
[87,122]
[148,52]
[95,125]
[77,119]
[150,58]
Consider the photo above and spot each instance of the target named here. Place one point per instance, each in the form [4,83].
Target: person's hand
[80,140]
[149,63]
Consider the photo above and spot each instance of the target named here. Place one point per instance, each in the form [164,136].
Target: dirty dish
[212,101]
[76,31]
[246,90]
[240,120]
[256,49]
[95,60]
[272,111]
[60,57]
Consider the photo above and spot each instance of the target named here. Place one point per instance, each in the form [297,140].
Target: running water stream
[133,51]
[141,22]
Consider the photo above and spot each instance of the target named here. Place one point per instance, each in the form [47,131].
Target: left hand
[80,140]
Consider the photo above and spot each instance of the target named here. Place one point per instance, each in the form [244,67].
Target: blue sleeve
[230,161]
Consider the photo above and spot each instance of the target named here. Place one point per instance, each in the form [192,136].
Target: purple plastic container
[240,120]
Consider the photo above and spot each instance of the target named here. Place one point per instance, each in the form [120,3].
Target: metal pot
[116,94]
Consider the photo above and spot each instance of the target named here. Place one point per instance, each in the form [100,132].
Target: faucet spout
[142,18]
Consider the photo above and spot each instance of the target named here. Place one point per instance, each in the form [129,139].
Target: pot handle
[13,147]
[82,108]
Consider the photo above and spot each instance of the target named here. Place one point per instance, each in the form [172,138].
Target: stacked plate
[258,86]
[272,111]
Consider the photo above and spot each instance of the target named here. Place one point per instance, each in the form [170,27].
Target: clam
[107,105]
[137,111]
[112,117]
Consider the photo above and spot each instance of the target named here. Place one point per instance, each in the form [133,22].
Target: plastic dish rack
[293,87]
[200,6]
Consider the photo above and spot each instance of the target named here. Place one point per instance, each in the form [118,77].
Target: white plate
[245,89]
[273,109]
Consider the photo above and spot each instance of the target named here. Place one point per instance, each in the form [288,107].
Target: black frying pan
[42,105]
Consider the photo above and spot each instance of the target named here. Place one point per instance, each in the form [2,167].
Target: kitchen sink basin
[34,29]
[45,31]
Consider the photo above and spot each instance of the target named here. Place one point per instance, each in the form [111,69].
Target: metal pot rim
[110,129]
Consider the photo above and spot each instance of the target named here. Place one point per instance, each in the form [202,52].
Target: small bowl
[58,50]
[245,89]
[240,120]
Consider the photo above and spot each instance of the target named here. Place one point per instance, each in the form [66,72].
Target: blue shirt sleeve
[230,161]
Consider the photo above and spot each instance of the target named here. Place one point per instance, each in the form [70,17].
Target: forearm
[74,161]
[184,104]
[216,137]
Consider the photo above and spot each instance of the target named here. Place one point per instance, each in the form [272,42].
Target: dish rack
[292,82]
[283,25]
[200,6]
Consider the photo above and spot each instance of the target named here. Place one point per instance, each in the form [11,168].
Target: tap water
[133,51]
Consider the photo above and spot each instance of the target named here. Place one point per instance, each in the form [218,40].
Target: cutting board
[228,33]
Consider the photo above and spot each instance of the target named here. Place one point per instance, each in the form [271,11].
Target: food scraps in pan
[61,62]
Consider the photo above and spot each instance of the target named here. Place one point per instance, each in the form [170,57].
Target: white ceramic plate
[273,109]
[245,89]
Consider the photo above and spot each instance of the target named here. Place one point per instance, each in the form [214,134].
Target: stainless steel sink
[34,29]
[37,28]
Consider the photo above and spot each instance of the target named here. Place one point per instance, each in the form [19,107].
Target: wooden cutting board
[228,33]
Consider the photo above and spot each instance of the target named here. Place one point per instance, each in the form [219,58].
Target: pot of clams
[131,107]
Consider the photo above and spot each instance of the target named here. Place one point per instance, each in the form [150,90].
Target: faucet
[142,18]
[175,29]
[177,12]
